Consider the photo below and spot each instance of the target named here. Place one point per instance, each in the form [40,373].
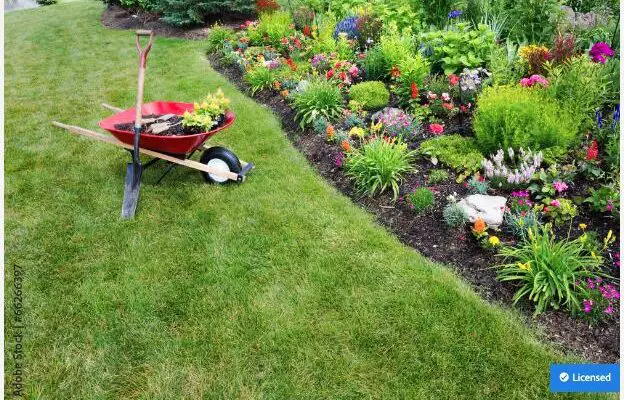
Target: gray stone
[490,208]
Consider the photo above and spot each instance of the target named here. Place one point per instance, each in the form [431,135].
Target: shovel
[132,184]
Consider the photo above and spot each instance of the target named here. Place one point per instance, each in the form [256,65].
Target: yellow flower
[594,255]
[494,241]
[357,131]
[609,235]
[525,267]
[583,226]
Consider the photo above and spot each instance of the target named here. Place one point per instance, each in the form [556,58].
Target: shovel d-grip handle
[143,52]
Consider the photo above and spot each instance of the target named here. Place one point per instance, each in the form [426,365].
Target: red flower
[307,31]
[291,64]
[592,151]
[330,74]
[463,108]
[436,129]
[343,75]
[297,43]
[453,79]
[448,106]
[414,91]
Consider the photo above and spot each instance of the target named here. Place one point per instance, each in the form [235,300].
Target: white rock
[490,208]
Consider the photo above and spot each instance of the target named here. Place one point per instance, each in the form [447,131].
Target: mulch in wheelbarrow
[176,128]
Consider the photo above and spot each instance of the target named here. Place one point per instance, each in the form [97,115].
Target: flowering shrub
[411,74]
[470,82]
[206,114]
[535,58]
[396,123]
[347,26]
[516,169]
[558,210]
[534,80]
[604,199]
[600,299]
[343,73]
[599,51]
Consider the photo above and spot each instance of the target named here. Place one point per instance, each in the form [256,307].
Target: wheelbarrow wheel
[220,159]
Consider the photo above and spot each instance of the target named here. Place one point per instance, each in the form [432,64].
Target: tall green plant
[547,269]
[320,99]
[380,164]
[513,116]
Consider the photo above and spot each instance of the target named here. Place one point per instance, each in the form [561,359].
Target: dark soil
[176,128]
[427,233]
[120,18]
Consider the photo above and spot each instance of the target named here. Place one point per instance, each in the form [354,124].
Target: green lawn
[279,288]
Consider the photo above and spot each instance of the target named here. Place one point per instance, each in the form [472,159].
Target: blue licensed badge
[584,378]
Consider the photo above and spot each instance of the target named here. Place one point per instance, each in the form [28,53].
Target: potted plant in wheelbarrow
[169,131]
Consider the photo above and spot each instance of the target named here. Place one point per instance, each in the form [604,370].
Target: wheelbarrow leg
[170,168]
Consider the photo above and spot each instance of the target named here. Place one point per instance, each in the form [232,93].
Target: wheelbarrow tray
[181,145]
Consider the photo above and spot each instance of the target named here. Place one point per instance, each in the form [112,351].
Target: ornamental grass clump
[547,269]
[514,116]
[319,99]
[378,165]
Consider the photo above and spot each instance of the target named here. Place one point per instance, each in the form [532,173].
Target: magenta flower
[555,203]
[587,306]
[599,51]
[609,310]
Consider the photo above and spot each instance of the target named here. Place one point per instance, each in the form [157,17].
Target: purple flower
[455,13]
[598,52]
[587,306]
[339,160]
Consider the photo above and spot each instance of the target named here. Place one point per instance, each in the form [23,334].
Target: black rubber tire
[223,154]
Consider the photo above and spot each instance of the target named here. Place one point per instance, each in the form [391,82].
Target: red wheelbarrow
[217,164]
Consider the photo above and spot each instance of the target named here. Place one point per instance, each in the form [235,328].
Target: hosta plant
[319,99]
[546,270]
[378,165]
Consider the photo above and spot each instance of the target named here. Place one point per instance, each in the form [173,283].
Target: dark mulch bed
[120,18]
[428,234]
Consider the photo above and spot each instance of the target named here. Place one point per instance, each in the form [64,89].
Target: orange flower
[479,225]
[331,132]
[277,85]
[284,93]
[346,146]
[395,72]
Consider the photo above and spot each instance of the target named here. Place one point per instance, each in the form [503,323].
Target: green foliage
[374,64]
[259,78]
[395,48]
[532,21]
[454,151]
[372,95]
[194,12]
[421,200]
[476,186]
[547,269]
[506,66]
[454,215]
[459,47]
[217,36]
[513,116]
[604,199]
[559,210]
[437,176]
[378,165]
[324,42]
[275,26]
[413,71]
[581,85]
[518,223]
[320,99]
[205,114]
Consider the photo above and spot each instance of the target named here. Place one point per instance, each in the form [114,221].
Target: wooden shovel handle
[143,52]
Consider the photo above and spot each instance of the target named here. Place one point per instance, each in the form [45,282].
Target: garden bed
[427,233]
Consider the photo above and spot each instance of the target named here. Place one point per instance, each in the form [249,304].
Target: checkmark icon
[563,377]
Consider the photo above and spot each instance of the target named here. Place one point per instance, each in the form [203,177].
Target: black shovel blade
[132,186]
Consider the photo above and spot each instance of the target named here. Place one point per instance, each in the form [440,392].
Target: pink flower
[560,186]
[354,71]
[436,129]
[330,74]
[446,97]
[453,79]
[555,203]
